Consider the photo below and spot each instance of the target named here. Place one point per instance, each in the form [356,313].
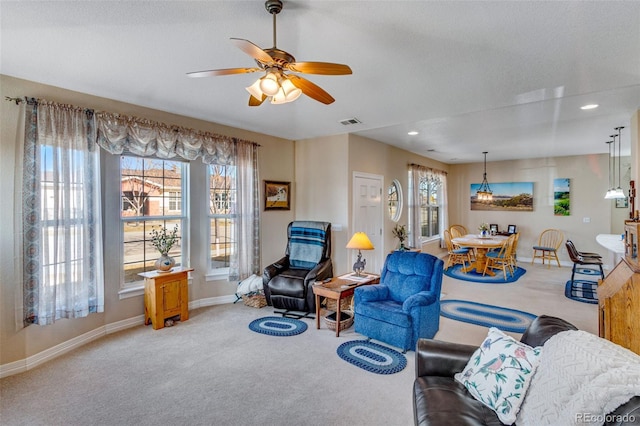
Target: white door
[367,217]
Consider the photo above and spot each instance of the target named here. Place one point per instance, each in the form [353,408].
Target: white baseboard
[51,353]
[33,361]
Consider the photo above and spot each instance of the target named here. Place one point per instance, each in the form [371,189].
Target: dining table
[481,246]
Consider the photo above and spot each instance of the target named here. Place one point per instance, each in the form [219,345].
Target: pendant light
[618,192]
[484,192]
[610,190]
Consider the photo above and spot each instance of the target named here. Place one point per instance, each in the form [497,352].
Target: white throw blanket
[580,379]
[249,285]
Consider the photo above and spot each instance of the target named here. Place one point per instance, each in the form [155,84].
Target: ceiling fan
[276,84]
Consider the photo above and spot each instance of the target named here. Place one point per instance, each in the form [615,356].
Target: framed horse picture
[277,195]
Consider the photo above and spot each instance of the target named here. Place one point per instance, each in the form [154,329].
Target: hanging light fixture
[610,191]
[484,192]
[618,192]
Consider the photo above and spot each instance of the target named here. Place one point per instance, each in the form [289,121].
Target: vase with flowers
[163,241]
[484,230]
[400,232]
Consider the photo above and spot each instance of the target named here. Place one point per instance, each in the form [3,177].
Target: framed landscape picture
[562,197]
[277,195]
[511,196]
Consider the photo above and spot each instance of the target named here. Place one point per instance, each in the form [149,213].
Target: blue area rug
[582,291]
[372,357]
[486,315]
[278,326]
[455,272]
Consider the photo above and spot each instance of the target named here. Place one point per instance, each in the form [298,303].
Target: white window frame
[220,272]
[135,288]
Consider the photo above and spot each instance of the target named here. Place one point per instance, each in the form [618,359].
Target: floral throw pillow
[499,373]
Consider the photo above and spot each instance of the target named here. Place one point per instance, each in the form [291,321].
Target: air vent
[350,121]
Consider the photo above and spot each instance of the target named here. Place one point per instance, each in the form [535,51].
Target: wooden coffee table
[338,289]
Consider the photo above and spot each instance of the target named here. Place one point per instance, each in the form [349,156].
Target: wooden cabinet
[631,233]
[619,305]
[165,296]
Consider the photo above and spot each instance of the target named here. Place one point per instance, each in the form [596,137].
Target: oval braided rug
[486,315]
[278,326]
[372,357]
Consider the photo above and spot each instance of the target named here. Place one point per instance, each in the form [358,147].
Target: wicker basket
[254,300]
[345,304]
[345,317]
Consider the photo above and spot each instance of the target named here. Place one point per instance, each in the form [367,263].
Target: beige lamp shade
[360,241]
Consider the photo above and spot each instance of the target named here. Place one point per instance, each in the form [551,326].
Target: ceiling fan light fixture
[291,92]
[254,90]
[269,84]
[279,98]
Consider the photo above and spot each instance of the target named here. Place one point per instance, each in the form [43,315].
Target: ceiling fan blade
[253,101]
[325,68]
[310,89]
[252,50]
[226,71]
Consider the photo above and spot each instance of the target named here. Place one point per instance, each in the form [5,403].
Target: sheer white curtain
[418,174]
[62,239]
[246,259]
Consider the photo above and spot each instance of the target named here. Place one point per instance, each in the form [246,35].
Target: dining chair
[514,250]
[578,259]
[584,253]
[502,259]
[458,231]
[548,245]
[459,255]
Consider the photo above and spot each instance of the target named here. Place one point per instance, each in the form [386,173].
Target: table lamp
[359,241]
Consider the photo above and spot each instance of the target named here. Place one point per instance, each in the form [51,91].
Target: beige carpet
[212,370]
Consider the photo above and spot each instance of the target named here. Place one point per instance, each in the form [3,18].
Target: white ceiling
[507,77]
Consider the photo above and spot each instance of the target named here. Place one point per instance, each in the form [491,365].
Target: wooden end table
[337,289]
[166,294]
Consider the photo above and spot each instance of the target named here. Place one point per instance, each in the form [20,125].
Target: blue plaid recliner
[405,306]
[288,282]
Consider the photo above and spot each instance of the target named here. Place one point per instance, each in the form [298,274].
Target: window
[394,200]
[151,197]
[429,207]
[222,215]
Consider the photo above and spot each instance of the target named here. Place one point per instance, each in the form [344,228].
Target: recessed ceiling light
[590,106]
[412,133]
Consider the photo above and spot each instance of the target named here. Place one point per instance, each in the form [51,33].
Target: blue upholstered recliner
[405,305]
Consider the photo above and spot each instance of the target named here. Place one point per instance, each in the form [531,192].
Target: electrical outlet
[586,220]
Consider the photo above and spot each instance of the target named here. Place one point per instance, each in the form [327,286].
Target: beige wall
[369,156]
[320,170]
[324,174]
[322,183]
[589,183]
[276,158]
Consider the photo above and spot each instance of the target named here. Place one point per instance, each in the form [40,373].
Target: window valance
[117,133]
